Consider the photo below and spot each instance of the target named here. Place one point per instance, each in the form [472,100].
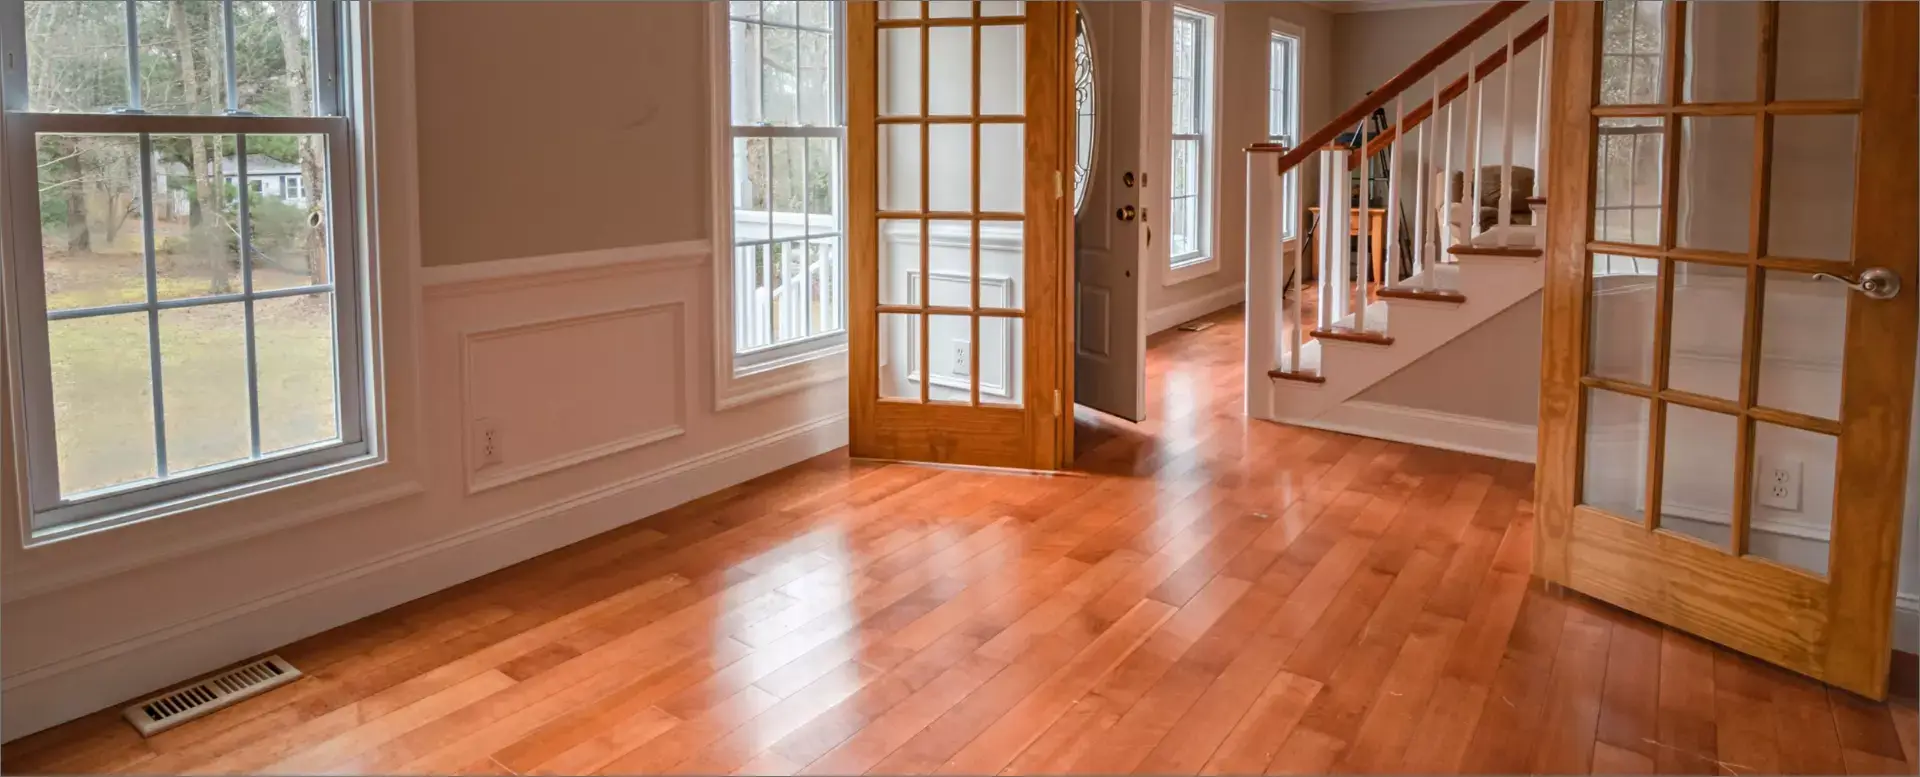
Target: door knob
[1124,214]
[1876,283]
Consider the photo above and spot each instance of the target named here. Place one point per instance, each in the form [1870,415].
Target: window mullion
[233,68]
[326,56]
[153,313]
[245,195]
[134,99]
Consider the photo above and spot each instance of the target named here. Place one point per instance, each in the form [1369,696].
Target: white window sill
[1190,269]
[746,385]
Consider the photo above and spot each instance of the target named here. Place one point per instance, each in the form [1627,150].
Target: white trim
[1430,428]
[1173,315]
[1207,261]
[1906,622]
[507,269]
[53,693]
[1291,189]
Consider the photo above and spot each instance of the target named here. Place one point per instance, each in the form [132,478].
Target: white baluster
[1423,179]
[1506,144]
[1299,275]
[1394,250]
[1473,178]
[1361,242]
[1323,273]
[1445,232]
[1264,289]
[1540,119]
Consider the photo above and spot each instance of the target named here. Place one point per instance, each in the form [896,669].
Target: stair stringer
[1418,327]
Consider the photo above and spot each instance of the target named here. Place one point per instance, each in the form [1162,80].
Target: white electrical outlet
[1780,483]
[486,442]
[962,359]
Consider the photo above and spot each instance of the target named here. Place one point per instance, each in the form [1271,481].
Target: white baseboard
[110,675]
[1429,428]
[1179,313]
[1906,622]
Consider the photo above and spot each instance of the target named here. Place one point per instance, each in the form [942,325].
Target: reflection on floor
[1213,595]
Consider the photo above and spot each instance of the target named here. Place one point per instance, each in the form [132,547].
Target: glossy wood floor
[1215,596]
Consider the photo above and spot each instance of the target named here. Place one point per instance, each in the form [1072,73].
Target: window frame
[1204,259]
[1295,39]
[339,30]
[748,375]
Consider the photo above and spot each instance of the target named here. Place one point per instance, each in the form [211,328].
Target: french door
[958,211]
[1730,354]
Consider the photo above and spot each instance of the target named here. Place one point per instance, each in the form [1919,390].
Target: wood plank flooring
[1211,596]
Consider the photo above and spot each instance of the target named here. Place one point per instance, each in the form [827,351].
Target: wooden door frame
[1673,579]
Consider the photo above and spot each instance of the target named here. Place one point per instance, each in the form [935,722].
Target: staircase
[1462,267]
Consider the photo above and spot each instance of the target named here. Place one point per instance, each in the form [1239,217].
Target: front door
[958,208]
[1724,420]
[1110,346]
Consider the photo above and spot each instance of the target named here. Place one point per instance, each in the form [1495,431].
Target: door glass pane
[1627,173]
[1810,194]
[1002,7]
[1820,44]
[899,345]
[1709,318]
[1003,269]
[899,261]
[949,347]
[1696,481]
[1002,361]
[1723,51]
[102,401]
[898,167]
[951,262]
[91,235]
[942,9]
[1621,317]
[899,65]
[203,368]
[196,222]
[1716,183]
[950,174]
[1002,168]
[1803,329]
[950,70]
[1630,54]
[287,210]
[1003,58]
[1793,489]
[1614,454]
[294,359]
[898,9]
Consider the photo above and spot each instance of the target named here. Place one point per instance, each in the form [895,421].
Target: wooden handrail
[1419,70]
[1425,110]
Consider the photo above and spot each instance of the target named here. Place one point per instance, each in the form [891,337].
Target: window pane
[294,359]
[752,169]
[102,401]
[824,286]
[203,369]
[817,14]
[183,56]
[1627,194]
[789,176]
[196,227]
[90,227]
[816,79]
[823,198]
[273,56]
[779,74]
[288,216]
[77,53]
[743,58]
[781,11]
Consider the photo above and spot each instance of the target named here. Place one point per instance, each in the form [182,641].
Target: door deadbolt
[1125,213]
[1126,179]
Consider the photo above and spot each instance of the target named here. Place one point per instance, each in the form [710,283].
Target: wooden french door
[1723,426]
[958,216]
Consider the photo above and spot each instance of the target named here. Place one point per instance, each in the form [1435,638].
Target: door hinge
[1059,188]
[1056,403]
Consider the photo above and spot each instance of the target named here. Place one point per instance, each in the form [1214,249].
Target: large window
[787,275]
[184,333]
[1283,118]
[1191,220]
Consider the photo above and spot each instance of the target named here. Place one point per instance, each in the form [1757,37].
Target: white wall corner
[83,683]
[1178,313]
[1906,623]
[1432,429]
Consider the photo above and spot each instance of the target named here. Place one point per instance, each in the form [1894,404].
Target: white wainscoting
[589,363]
[1179,313]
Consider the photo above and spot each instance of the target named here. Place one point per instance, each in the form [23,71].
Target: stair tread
[1352,335]
[1512,251]
[1423,293]
[1300,377]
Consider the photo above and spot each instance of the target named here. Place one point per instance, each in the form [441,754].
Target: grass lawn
[103,394]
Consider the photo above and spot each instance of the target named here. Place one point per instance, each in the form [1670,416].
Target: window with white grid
[1190,220]
[1283,118]
[186,329]
[786,134]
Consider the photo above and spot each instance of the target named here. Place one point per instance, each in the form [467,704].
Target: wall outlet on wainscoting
[486,443]
[1779,483]
[962,358]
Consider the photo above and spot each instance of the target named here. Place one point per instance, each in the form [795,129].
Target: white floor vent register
[182,704]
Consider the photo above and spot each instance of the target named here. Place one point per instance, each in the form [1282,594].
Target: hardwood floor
[1213,596]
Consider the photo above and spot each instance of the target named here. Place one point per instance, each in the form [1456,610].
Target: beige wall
[550,128]
[1244,121]
[1490,372]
